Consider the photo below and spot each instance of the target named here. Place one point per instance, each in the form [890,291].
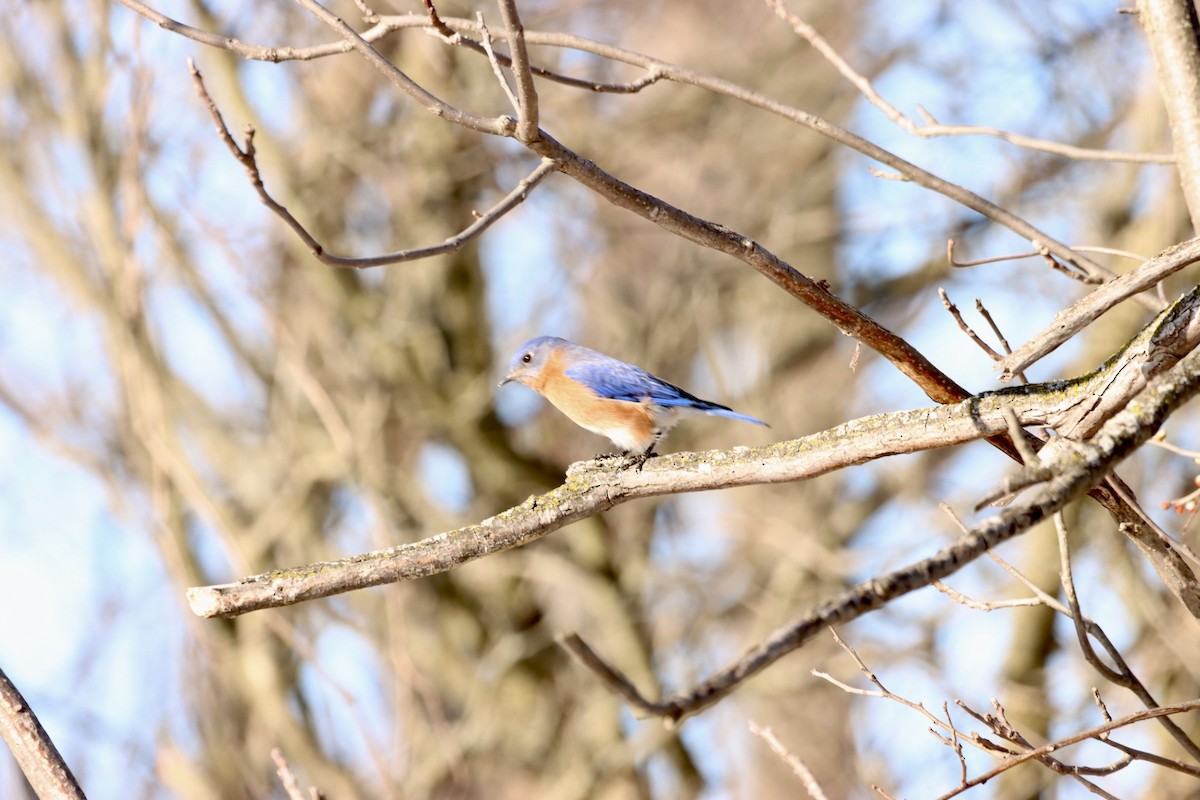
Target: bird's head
[529,360]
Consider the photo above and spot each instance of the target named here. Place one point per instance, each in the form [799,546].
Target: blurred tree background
[186,396]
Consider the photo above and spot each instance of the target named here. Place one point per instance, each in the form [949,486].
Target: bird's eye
[525,359]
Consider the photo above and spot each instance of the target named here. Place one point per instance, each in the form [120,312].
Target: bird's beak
[506,379]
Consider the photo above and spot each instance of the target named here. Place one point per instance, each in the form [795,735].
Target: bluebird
[606,396]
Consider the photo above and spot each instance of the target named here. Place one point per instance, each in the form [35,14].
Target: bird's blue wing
[616,380]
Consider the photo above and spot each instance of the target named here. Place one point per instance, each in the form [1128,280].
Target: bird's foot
[639,460]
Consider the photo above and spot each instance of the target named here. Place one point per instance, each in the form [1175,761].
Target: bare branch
[1091,733]
[965,328]
[592,487]
[1074,318]
[527,100]
[932,129]
[32,748]
[1068,584]
[610,676]
[287,778]
[660,213]
[1122,675]
[795,764]
[936,384]
[985,605]
[497,69]
[247,158]
[1170,27]
[1074,469]
[497,126]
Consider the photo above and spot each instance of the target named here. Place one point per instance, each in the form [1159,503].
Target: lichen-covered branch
[1075,466]
[593,487]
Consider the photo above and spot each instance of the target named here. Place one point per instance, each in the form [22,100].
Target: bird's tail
[722,411]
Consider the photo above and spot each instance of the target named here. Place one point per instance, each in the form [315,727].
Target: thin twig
[287,778]
[982,309]
[246,156]
[1109,251]
[1029,456]
[985,605]
[1068,584]
[1121,676]
[931,128]
[1071,320]
[807,780]
[1041,251]
[965,328]
[847,688]
[955,743]
[440,27]
[991,352]
[610,676]
[1128,679]
[955,262]
[659,212]
[496,126]
[997,723]
[1090,733]
[497,70]
[527,100]
[368,13]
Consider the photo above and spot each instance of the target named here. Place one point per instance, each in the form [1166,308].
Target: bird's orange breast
[629,425]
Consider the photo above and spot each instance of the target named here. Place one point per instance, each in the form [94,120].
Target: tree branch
[656,69]
[527,101]
[497,126]
[1090,733]
[592,487]
[819,125]
[246,156]
[1121,676]
[596,486]
[1075,467]
[1074,318]
[32,748]
[1171,30]
[932,129]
